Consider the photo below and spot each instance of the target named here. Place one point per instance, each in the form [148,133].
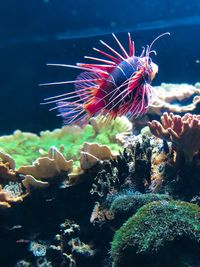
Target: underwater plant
[157,230]
[119,86]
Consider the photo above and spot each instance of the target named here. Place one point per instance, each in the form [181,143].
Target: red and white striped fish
[118,85]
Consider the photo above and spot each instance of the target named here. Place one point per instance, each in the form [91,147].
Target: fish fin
[72,112]
[136,79]
[89,84]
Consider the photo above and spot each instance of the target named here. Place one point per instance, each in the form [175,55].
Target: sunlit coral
[183,132]
[25,148]
[92,152]
[48,167]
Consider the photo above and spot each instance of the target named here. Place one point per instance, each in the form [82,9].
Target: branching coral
[130,169]
[183,132]
[101,197]
[68,249]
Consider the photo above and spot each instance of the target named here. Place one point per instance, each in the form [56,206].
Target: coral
[37,249]
[111,127]
[118,207]
[7,174]
[30,183]
[91,153]
[101,152]
[23,263]
[6,199]
[96,195]
[106,180]
[69,249]
[10,183]
[6,158]
[180,179]
[176,98]
[183,132]
[23,147]
[131,168]
[141,172]
[52,166]
[172,98]
[157,230]
[27,147]
[180,175]
[125,204]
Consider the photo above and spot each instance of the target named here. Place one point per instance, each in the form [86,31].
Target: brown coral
[168,94]
[183,132]
[6,199]
[48,167]
[6,174]
[30,183]
[93,152]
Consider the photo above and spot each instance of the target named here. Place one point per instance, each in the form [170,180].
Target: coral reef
[181,172]
[65,194]
[27,147]
[51,166]
[174,98]
[125,204]
[118,207]
[183,132]
[69,248]
[6,198]
[131,168]
[157,229]
[91,153]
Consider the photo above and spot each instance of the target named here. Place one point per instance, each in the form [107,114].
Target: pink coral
[183,132]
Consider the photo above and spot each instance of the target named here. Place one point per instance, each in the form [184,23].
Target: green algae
[125,205]
[152,229]
[27,147]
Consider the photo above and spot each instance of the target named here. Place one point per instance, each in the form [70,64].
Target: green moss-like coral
[125,205]
[157,235]
[27,147]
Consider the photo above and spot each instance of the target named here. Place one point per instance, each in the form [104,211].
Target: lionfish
[119,84]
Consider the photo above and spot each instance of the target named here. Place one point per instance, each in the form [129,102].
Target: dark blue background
[33,33]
